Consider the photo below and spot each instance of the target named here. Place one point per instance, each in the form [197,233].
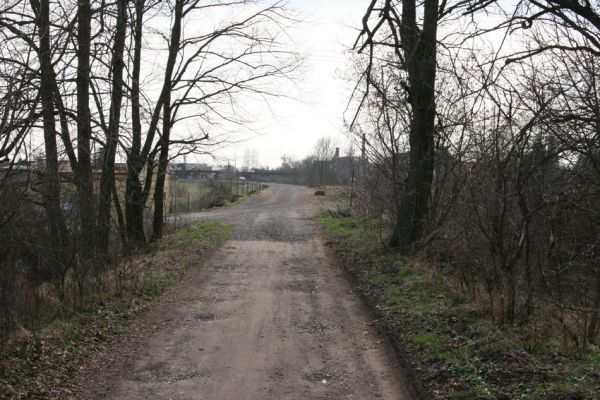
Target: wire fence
[186,196]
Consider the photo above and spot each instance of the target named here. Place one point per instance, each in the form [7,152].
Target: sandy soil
[269,316]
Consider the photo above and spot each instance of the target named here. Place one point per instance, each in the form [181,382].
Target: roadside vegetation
[451,342]
[40,362]
[196,195]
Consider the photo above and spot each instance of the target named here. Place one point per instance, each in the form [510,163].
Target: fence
[196,195]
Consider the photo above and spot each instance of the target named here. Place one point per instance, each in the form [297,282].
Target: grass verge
[41,363]
[452,350]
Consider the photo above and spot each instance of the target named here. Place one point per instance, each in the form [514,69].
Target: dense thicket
[512,209]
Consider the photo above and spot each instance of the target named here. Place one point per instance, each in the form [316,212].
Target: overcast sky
[328,30]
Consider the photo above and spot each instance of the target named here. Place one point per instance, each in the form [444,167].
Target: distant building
[69,188]
[192,171]
[343,168]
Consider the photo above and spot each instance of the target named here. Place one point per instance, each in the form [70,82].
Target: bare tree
[202,81]
[381,127]
[165,137]
[84,132]
[107,182]
[323,152]
[250,158]
[415,48]
[58,229]
[19,104]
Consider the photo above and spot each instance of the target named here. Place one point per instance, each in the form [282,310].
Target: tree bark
[419,47]
[134,203]
[158,221]
[136,194]
[163,161]
[84,132]
[112,138]
[57,227]
[594,325]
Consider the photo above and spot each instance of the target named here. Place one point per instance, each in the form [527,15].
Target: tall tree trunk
[510,295]
[419,47]
[139,156]
[58,228]
[594,325]
[158,221]
[166,133]
[134,203]
[120,219]
[112,137]
[84,131]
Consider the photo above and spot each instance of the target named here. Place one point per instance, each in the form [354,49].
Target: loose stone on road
[268,316]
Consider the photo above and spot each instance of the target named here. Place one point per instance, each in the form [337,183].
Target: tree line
[481,122]
[88,85]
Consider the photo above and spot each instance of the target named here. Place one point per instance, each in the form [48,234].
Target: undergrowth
[460,352]
[361,231]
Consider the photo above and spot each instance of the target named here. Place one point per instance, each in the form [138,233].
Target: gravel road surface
[269,316]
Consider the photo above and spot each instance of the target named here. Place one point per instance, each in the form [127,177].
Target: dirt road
[267,317]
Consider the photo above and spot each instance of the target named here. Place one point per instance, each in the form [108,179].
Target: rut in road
[267,317]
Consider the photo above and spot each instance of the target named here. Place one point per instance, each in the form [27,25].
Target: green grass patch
[430,340]
[475,392]
[474,351]
[151,286]
[463,353]
[194,188]
[206,234]
[403,274]
[201,236]
[172,277]
[403,293]
[186,264]
[593,359]
[380,280]
[345,227]
[395,297]
[383,280]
